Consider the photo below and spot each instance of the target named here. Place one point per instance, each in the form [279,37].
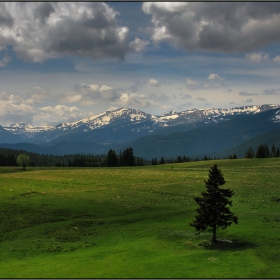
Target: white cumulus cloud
[133,99]
[154,82]
[214,77]
[257,56]
[57,114]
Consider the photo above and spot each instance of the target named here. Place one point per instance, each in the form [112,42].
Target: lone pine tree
[213,211]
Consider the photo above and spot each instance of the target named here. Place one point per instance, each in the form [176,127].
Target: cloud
[138,45]
[154,83]
[90,92]
[138,100]
[133,99]
[277,59]
[38,31]
[245,93]
[78,98]
[201,99]
[5,17]
[228,90]
[214,77]
[14,109]
[38,97]
[257,56]
[135,86]
[57,114]
[191,82]
[271,92]
[105,88]
[210,26]
[185,96]
[214,82]
[5,60]
[249,100]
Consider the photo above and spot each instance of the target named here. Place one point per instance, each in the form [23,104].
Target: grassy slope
[133,222]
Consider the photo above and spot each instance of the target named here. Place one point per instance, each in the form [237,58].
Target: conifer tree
[128,157]
[112,159]
[263,151]
[250,153]
[273,151]
[213,211]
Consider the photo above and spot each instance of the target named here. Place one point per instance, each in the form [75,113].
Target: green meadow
[134,222]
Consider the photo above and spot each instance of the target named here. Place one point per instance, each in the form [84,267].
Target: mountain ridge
[171,133]
[136,116]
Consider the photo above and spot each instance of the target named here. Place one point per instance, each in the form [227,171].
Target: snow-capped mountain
[128,121]
[191,132]
[210,115]
[122,116]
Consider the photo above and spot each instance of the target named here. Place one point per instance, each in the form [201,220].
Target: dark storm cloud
[5,17]
[43,11]
[211,26]
[47,30]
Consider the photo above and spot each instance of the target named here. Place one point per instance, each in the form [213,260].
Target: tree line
[8,157]
[178,159]
[263,151]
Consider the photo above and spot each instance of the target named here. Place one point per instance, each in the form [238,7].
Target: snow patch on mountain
[276,118]
[28,129]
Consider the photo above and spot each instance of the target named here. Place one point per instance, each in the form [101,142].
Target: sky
[63,61]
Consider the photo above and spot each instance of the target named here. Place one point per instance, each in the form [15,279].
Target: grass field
[134,222]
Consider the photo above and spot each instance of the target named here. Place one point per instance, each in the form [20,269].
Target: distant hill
[268,138]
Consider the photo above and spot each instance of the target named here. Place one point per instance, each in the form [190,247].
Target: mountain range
[194,132]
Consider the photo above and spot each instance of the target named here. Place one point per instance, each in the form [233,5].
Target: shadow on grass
[231,245]
[14,170]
